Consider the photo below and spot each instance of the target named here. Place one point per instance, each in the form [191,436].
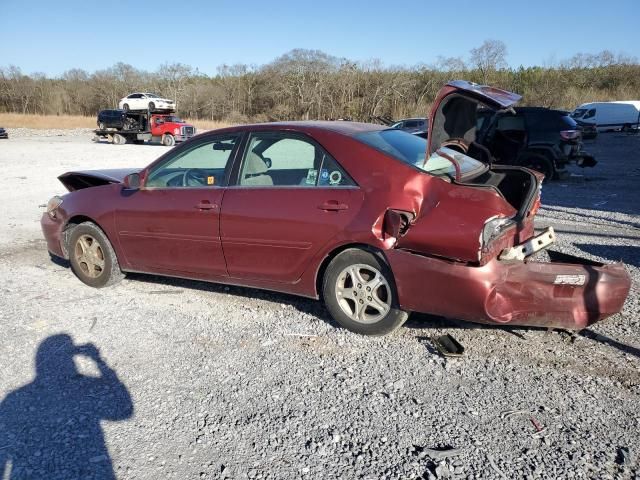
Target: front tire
[125,107]
[152,106]
[359,291]
[92,257]
[168,140]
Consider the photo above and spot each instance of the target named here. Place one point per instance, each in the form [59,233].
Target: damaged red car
[374,221]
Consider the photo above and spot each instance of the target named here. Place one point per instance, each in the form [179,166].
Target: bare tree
[489,57]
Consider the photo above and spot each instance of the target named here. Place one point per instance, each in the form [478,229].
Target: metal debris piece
[448,346]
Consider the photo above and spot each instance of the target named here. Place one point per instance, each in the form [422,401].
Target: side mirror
[132,181]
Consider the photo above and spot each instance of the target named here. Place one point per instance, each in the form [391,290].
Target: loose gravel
[166,378]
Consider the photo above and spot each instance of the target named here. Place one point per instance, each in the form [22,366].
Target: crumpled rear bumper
[567,292]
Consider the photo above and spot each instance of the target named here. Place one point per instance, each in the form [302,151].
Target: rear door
[291,199]
[171,225]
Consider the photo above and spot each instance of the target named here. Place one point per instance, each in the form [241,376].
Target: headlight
[52,206]
[493,228]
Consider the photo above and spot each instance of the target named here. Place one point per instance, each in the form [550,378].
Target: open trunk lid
[454,112]
[477,217]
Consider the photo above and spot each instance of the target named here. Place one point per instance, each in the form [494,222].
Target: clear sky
[51,37]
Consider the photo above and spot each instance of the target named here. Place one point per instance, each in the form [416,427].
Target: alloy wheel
[89,256]
[363,293]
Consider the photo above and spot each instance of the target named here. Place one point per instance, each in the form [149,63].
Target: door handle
[206,205]
[333,206]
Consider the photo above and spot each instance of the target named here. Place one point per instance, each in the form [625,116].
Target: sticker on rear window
[211,180]
[312,176]
[335,177]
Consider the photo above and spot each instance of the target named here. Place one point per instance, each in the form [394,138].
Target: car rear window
[412,149]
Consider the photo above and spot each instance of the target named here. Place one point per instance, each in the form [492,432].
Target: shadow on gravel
[305,305]
[597,337]
[50,428]
[426,321]
[615,253]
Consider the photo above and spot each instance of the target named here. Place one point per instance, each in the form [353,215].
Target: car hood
[454,112]
[80,179]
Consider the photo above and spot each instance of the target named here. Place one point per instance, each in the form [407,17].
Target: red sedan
[372,220]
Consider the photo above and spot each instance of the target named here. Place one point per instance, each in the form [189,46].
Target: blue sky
[51,37]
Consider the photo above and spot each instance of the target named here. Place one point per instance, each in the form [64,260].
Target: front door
[172,223]
[290,200]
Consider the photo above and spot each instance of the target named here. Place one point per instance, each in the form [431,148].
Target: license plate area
[531,246]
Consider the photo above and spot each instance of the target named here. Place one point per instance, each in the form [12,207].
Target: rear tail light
[570,134]
[537,203]
[495,227]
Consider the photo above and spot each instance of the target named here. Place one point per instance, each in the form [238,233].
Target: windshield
[411,149]
[172,118]
[578,112]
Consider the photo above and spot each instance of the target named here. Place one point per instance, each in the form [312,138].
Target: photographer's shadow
[50,428]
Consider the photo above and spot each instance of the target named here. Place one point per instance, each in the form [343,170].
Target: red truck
[120,127]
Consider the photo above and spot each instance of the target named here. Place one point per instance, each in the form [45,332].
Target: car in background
[146,101]
[608,116]
[416,126]
[3,133]
[111,119]
[375,221]
[544,139]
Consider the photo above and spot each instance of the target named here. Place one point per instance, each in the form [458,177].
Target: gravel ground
[158,378]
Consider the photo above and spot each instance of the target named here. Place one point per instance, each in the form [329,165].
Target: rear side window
[511,122]
[274,159]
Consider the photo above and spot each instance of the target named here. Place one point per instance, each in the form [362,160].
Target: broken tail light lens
[52,206]
[570,134]
[494,228]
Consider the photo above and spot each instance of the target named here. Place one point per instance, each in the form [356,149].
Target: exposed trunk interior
[517,185]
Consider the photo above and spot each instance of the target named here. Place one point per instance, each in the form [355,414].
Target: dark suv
[539,138]
[112,119]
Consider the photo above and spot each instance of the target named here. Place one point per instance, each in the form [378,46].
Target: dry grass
[17,120]
[207,124]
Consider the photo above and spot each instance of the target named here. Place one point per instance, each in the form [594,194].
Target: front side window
[202,165]
[590,114]
[275,159]
[578,112]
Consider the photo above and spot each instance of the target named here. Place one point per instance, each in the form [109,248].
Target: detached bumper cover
[568,292]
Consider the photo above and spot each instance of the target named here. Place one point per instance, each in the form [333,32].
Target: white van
[608,116]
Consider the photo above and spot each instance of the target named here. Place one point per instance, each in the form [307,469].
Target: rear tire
[359,291]
[539,163]
[101,126]
[125,107]
[119,139]
[168,140]
[152,106]
[92,257]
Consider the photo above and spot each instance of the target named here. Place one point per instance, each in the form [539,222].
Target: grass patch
[18,120]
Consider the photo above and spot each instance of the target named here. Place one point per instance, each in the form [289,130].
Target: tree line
[310,84]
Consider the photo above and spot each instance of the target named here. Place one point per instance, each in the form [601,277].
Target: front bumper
[568,292]
[52,231]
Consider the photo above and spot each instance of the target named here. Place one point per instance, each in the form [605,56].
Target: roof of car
[338,126]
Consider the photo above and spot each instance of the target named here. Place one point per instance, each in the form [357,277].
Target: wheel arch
[74,221]
[337,251]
